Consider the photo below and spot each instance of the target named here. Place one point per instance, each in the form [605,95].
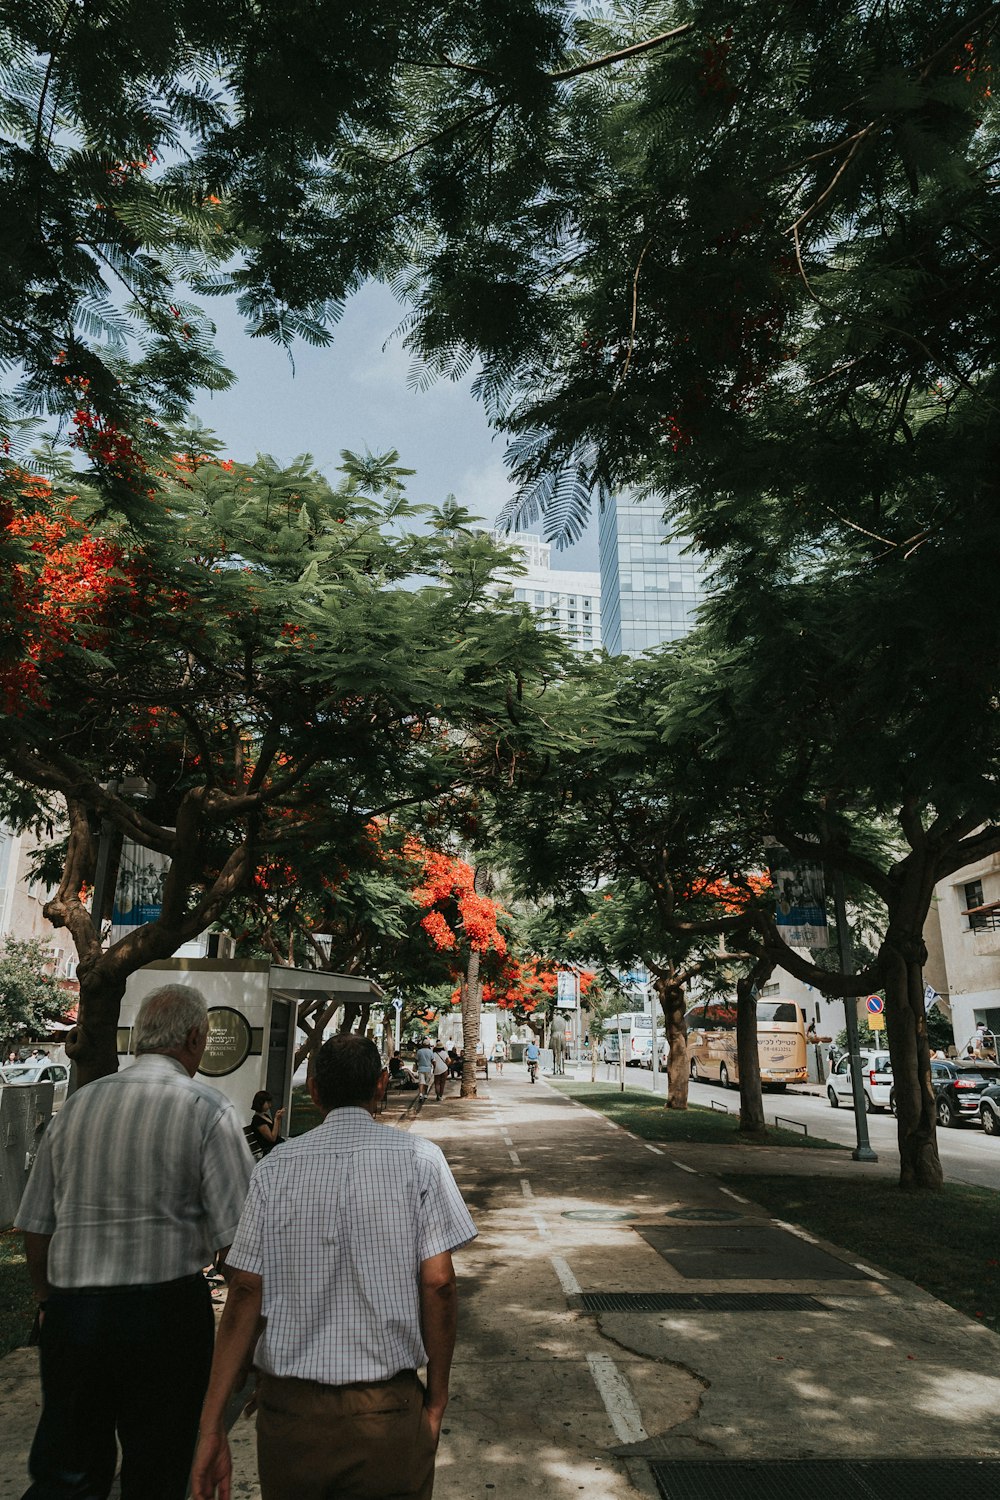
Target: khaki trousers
[344,1442]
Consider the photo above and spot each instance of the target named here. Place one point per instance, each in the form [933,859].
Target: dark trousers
[131,1360]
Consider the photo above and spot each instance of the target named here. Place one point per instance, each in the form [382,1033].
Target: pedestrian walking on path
[346,1242]
[425,1067]
[139,1181]
[440,1065]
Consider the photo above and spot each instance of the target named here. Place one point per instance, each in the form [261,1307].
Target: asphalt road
[967,1155]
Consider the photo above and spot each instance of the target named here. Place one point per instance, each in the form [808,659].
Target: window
[973,894]
[769,1012]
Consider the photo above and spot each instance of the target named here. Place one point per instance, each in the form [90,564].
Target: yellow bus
[781,1042]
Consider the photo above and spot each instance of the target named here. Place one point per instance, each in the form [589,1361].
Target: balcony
[984,924]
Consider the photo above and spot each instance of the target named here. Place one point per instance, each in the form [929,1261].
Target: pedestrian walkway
[755,1342]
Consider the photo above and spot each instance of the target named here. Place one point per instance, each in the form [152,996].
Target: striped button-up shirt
[337,1223]
[141,1177]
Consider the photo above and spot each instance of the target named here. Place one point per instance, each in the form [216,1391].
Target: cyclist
[531,1056]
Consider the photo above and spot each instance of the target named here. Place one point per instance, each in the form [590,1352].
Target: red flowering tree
[463,923]
[203,686]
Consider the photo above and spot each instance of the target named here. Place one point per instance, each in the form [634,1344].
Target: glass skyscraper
[650,586]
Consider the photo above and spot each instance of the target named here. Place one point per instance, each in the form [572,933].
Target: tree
[642,859]
[149,162]
[205,689]
[827,739]
[30,999]
[464,924]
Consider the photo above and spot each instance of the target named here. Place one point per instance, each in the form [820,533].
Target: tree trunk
[472,1000]
[92,1045]
[314,1017]
[902,958]
[673,1005]
[747,1052]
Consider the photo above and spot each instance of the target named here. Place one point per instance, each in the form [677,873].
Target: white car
[876,1078]
[39,1072]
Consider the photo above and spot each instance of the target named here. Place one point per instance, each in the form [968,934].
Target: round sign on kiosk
[229,1041]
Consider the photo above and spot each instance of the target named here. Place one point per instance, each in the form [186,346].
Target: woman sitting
[266,1124]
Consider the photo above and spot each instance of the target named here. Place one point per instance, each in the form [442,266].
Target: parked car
[989,1109]
[876,1077]
[39,1072]
[959,1087]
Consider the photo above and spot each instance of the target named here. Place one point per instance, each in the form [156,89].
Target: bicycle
[532,1069]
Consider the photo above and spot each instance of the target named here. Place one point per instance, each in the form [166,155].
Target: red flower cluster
[74,593]
[450,883]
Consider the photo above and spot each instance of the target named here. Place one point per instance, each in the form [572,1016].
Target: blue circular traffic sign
[875,1005]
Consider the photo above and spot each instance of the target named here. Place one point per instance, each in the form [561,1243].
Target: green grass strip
[304,1114]
[645,1116]
[948,1243]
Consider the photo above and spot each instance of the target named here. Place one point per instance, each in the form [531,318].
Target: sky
[355,395]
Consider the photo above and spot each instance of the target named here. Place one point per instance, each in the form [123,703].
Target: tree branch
[625,52]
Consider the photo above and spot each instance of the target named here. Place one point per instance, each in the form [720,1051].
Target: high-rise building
[651,582]
[567,600]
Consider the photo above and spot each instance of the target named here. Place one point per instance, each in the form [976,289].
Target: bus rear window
[777,1012]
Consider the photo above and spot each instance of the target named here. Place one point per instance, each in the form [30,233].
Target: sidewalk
[551,1398]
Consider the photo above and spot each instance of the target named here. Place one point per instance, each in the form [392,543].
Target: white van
[636,1030]
[876,1076]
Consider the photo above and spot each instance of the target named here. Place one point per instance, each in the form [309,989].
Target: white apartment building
[566,599]
[22,900]
[966,912]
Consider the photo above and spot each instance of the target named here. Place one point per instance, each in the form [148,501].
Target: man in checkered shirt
[343,1257]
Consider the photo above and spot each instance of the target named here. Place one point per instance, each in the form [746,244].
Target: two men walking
[341,1254]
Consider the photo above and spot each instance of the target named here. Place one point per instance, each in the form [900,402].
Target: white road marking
[514,1158]
[685,1169]
[567,1280]
[619,1403]
[526,1188]
[869,1272]
[799,1233]
[655,1149]
[506,1139]
[730,1194]
[541,1226]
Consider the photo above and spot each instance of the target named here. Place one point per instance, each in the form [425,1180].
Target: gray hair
[166,1016]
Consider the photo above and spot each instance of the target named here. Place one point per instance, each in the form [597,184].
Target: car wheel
[946,1113]
[694,1070]
[834,1101]
[869,1106]
[991,1126]
[724,1075]
[892,1103]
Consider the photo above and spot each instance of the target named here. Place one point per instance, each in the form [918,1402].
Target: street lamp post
[863,1150]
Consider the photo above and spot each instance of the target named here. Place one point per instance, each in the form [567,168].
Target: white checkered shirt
[139,1178]
[337,1223]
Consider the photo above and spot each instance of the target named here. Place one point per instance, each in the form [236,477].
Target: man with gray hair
[138,1183]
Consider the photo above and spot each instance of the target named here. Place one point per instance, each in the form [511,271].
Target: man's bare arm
[234,1344]
[438,1325]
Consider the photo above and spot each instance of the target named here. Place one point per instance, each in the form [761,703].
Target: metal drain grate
[826,1479]
[699,1302]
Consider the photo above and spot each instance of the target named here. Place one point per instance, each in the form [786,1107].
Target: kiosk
[252,1010]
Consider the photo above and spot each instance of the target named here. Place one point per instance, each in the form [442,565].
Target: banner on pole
[566,989]
[800,900]
[931,998]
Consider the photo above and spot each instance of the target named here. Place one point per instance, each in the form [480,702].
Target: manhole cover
[698,1302]
[598,1215]
[704,1215]
[826,1479]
